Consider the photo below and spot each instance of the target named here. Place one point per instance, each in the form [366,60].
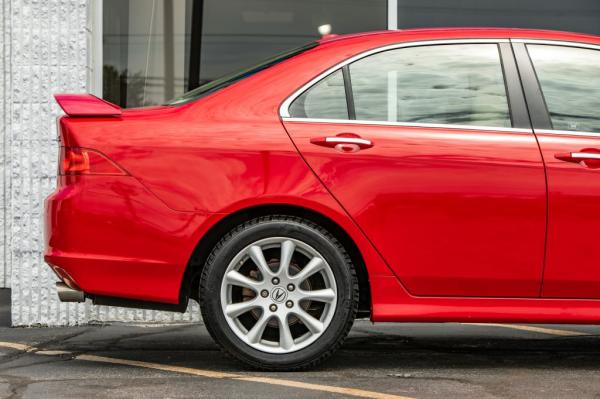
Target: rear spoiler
[86,105]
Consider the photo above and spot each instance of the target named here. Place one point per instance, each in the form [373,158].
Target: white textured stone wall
[45,51]
[4,271]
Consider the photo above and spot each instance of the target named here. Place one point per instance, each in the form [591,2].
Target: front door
[417,145]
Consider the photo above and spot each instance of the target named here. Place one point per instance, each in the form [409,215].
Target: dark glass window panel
[573,15]
[460,84]
[114,51]
[156,50]
[570,80]
[325,100]
[238,33]
[144,48]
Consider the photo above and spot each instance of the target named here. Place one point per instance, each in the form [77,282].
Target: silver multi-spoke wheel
[278,295]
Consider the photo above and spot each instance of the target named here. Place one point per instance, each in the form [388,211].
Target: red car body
[449,224]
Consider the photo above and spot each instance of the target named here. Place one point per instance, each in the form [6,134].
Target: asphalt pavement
[383,361]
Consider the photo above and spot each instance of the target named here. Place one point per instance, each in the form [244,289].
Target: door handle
[590,157]
[344,142]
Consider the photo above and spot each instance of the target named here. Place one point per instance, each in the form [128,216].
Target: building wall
[3,59]
[44,51]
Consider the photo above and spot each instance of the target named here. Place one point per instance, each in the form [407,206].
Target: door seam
[547,202]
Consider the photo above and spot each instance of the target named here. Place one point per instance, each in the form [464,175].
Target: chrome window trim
[567,133]
[558,43]
[284,107]
[409,124]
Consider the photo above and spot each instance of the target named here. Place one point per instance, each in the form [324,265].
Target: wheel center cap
[278,295]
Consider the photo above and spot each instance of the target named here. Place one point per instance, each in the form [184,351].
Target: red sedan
[421,175]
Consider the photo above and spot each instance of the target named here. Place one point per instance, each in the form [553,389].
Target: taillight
[83,161]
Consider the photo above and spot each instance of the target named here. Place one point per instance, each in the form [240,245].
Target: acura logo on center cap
[278,294]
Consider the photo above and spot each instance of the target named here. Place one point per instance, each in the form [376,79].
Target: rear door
[566,114]
[418,144]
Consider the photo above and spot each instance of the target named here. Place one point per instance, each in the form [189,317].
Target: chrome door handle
[588,157]
[345,142]
[577,156]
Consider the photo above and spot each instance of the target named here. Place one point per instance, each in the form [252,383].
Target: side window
[459,84]
[570,81]
[325,100]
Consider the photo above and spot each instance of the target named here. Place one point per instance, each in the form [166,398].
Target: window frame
[540,115]
[514,93]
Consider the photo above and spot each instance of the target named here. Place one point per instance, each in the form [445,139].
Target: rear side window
[570,81]
[453,84]
[460,84]
[325,100]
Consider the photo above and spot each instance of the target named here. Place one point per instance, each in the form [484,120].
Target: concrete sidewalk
[382,361]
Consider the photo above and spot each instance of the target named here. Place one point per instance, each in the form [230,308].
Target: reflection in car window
[459,84]
[325,100]
[570,80]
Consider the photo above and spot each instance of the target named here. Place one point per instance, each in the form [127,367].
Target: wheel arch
[213,235]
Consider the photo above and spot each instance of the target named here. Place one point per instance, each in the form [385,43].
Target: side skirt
[391,303]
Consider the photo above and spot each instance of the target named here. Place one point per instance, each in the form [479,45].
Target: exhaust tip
[68,294]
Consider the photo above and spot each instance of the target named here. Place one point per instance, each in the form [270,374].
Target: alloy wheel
[278,295]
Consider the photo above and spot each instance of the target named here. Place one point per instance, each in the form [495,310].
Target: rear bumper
[109,236]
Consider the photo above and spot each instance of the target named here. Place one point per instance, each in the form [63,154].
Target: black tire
[279,226]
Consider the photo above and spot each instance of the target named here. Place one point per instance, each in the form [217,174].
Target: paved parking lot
[378,361]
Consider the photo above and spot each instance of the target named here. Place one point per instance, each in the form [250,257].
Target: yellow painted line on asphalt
[542,330]
[17,346]
[361,393]
[157,366]
[52,353]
